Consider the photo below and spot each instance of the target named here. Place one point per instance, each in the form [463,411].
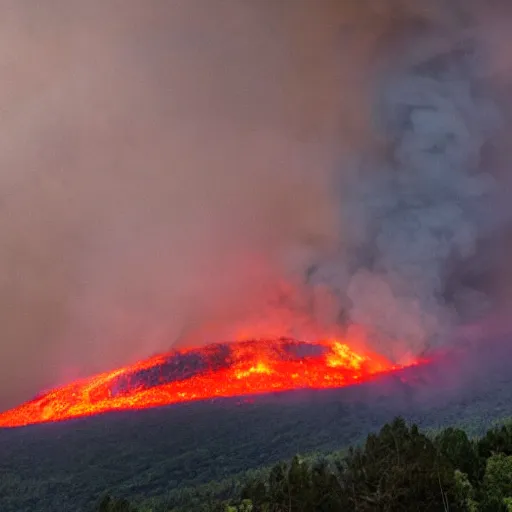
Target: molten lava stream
[252,368]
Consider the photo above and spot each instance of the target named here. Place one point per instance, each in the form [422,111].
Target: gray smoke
[418,212]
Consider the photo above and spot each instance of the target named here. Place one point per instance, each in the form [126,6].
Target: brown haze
[163,165]
[158,160]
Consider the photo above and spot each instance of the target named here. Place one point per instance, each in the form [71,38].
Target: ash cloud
[424,211]
[175,172]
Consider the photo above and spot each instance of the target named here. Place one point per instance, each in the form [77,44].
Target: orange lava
[254,367]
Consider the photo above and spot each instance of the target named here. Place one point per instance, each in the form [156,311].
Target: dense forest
[399,469]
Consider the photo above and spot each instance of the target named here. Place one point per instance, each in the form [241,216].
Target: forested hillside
[170,455]
[398,469]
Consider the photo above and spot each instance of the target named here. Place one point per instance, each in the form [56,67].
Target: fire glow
[220,370]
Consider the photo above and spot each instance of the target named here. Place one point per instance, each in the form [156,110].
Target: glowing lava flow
[223,370]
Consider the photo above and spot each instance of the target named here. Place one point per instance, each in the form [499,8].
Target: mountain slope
[66,466]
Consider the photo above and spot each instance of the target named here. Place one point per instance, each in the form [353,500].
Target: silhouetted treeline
[400,469]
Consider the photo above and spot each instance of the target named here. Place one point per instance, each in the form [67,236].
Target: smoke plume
[424,214]
[175,172]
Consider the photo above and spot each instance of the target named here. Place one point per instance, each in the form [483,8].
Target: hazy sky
[164,165]
[158,163]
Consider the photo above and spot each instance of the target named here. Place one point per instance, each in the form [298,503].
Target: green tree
[455,445]
[278,487]
[496,440]
[497,483]
[464,492]
[299,486]
[399,469]
[327,493]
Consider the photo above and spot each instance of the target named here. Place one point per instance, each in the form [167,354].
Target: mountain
[68,465]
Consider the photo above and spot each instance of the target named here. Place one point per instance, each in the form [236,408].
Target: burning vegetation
[219,370]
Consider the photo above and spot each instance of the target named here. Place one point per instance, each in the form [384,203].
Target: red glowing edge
[255,367]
